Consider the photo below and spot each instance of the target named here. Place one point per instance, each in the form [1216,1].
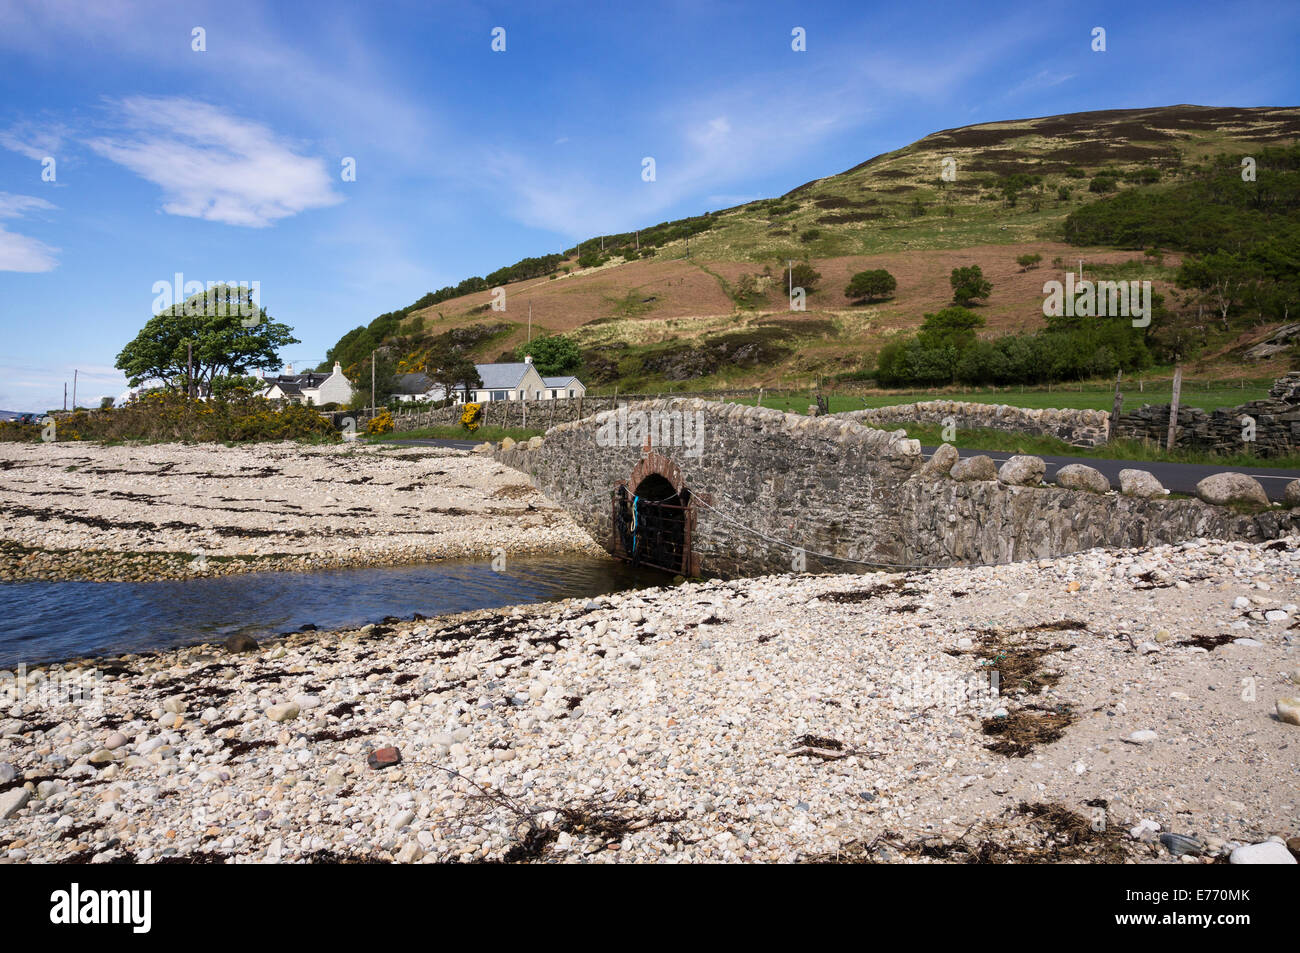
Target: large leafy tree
[553,354]
[871,285]
[968,284]
[212,325]
[454,372]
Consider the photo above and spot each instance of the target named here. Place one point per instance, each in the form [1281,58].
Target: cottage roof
[502,376]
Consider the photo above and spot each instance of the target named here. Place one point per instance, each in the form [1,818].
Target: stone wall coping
[1097,417]
[832,427]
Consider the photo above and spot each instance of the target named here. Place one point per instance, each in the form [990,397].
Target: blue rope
[635,499]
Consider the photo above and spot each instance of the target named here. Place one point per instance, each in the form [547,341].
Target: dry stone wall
[1276,430]
[539,414]
[1083,428]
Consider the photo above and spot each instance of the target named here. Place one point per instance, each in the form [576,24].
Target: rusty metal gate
[654,533]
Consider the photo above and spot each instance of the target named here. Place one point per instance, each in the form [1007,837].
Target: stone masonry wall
[1277,424]
[823,482]
[765,481]
[1083,428]
[541,414]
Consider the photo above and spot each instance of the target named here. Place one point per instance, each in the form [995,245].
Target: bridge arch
[653,518]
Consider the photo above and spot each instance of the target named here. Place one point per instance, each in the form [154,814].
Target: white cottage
[312,388]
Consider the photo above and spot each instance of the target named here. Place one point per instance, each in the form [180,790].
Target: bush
[871,285]
[471,417]
[1028,261]
[809,235]
[805,276]
[552,354]
[382,422]
[162,416]
[13,431]
[968,284]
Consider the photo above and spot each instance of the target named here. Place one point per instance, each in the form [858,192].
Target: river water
[49,621]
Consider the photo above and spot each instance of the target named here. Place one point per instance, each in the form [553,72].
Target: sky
[228,163]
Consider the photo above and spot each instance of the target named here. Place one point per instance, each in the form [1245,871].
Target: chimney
[528,359]
[338,368]
[288,368]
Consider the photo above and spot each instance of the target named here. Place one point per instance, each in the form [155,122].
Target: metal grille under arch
[654,519]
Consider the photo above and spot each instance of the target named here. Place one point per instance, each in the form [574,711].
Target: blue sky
[225,165]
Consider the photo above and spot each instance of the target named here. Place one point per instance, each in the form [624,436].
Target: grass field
[1091,397]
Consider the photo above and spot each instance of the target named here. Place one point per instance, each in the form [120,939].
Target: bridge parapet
[770,491]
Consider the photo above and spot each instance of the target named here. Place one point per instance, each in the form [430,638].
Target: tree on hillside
[805,276]
[968,284]
[871,285]
[952,327]
[1179,334]
[1221,279]
[553,354]
[211,327]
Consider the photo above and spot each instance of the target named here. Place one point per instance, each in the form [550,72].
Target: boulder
[1140,484]
[508,443]
[1076,476]
[1292,492]
[971,469]
[1269,852]
[286,711]
[1288,710]
[484,448]
[12,801]
[240,643]
[1022,470]
[940,463]
[534,442]
[1224,488]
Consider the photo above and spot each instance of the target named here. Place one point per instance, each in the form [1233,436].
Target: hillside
[663,317]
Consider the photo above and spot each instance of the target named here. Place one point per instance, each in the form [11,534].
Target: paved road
[435,442]
[1178,477]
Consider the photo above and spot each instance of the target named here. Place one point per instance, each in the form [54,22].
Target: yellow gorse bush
[171,416]
[382,422]
[471,417]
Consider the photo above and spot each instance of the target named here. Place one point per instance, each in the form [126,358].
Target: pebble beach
[1117,706]
[178,511]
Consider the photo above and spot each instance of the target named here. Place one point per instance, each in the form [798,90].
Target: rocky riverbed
[176,511]
[1138,695]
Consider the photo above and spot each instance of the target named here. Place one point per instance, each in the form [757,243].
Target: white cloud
[213,165]
[22,252]
[33,141]
[1043,79]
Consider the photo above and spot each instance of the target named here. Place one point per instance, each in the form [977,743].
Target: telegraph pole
[74,389]
[374,398]
[189,369]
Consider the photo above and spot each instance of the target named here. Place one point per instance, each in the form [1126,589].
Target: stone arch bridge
[699,487]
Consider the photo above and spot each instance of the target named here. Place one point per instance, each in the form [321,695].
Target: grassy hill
[663,318]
